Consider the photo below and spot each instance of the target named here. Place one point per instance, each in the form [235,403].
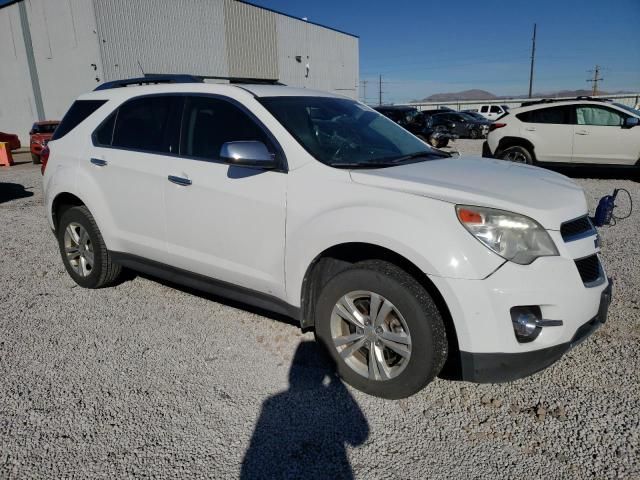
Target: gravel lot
[148,380]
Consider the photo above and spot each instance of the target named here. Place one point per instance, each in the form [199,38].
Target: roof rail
[249,80]
[553,100]
[149,79]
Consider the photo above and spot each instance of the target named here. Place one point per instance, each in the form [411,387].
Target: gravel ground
[148,380]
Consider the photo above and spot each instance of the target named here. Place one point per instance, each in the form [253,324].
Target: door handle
[99,162]
[185,182]
[582,132]
[530,129]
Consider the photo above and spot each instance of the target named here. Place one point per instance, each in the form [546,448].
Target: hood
[547,197]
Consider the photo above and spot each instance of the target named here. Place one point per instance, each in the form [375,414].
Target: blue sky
[425,47]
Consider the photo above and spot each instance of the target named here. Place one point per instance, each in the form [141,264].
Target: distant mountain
[476,94]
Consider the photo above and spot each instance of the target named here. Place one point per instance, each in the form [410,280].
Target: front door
[225,222]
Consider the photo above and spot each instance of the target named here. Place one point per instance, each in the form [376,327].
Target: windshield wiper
[362,164]
[425,153]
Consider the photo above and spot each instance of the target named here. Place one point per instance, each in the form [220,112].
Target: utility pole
[380,90]
[364,91]
[533,57]
[596,78]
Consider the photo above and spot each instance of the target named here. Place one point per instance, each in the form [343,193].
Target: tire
[35,159]
[443,142]
[78,230]
[517,154]
[474,134]
[414,321]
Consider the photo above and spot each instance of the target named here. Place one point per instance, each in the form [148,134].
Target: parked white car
[492,112]
[580,131]
[315,206]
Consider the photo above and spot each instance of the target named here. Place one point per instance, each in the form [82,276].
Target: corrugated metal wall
[165,36]
[251,41]
[331,57]
[223,38]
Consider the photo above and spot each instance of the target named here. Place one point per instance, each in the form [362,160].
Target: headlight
[512,236]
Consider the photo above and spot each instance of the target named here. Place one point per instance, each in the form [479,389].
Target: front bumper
[505,367]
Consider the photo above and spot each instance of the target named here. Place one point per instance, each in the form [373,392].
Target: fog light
[525,322]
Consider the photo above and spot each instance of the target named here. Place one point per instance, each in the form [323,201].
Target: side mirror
[248,154]
[630,122]
[31,132]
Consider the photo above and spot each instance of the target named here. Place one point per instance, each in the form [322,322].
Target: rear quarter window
[77,114]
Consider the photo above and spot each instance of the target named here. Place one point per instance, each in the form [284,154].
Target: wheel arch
[506,142]
[62,202]
[339,257]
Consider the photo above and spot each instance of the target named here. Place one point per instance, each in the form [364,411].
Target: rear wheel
[475,134]
[35,159]
[517,154]
[382,329]
[84,253]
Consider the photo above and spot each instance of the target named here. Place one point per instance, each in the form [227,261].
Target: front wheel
[382,329]
[83,250]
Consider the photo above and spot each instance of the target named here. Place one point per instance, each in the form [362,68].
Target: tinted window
[210,122]
[104,134]
[557,115]
[599,116]
[495,109]
[484,109]
[147,123]
[78,112]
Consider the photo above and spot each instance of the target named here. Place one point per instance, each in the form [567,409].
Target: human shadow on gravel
[303,431]
[12,191]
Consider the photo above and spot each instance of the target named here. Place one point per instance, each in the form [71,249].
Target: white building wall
[65,45]
[17,105]
[331,57]
[164,36]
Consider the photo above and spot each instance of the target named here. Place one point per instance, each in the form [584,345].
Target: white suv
[581,131]
[315,206]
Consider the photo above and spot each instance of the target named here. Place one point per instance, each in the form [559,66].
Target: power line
[596,78]
[533,57]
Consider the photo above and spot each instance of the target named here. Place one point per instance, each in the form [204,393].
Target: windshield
[344,133]
[628,109]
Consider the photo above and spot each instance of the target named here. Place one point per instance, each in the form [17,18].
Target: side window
[495,109]
[146,123]
[484,109]
[556,115]
[599,116]
[103,136]
[77,114]
[210,122]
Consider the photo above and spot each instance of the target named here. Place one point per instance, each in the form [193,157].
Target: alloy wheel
[370,335]
[78,249]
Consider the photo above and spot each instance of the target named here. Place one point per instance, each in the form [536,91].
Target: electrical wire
[630,205]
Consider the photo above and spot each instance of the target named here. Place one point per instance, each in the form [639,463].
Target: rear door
[129,164]
[600,136]
[225,222]
[494,112]
[550,130]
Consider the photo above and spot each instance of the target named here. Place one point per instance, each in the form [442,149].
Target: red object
[44,158]
[493,126]
[5,155]
[11,139]
[469,216]
[40,134]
